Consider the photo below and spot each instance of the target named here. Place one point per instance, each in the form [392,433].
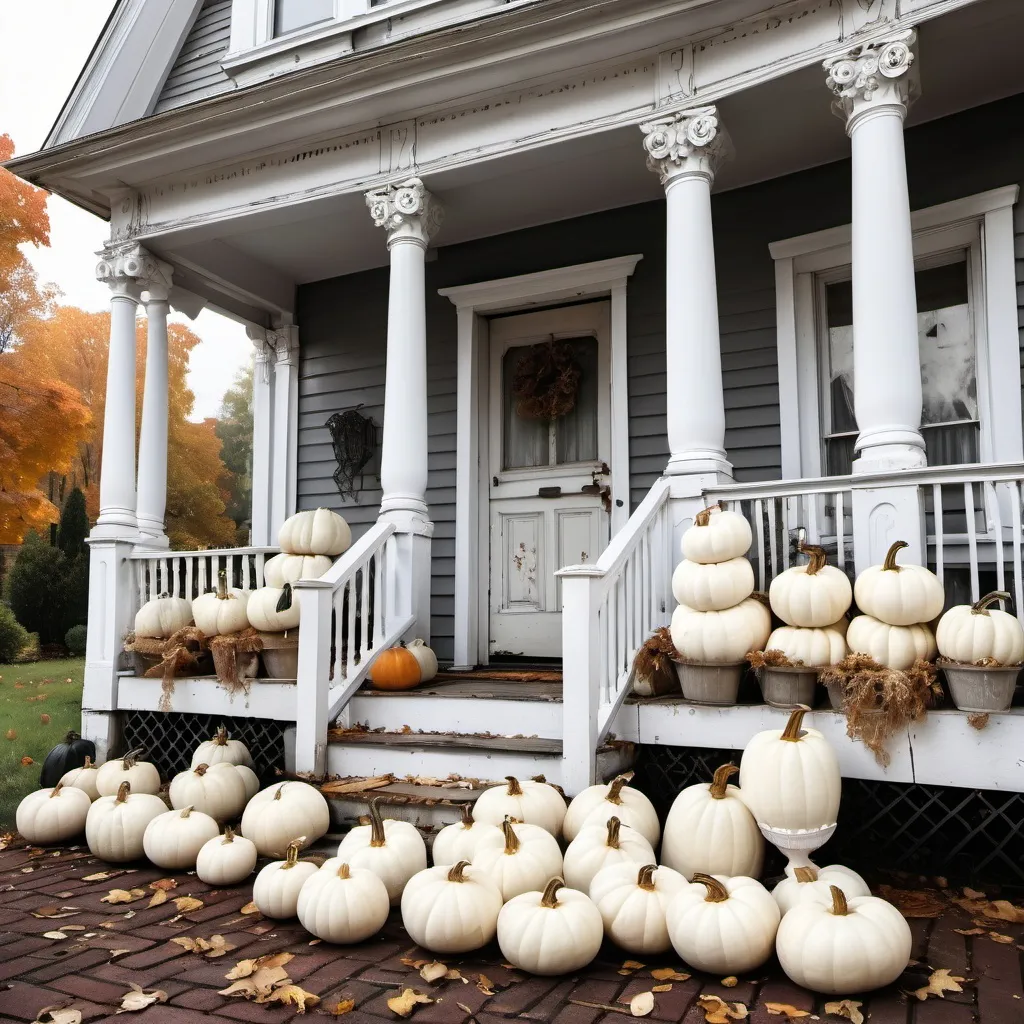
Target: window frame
[983,224]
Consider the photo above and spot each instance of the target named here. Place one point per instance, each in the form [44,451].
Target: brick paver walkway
[110,946]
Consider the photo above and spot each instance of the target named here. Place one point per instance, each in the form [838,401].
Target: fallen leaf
[54,935]
[245,968]
[433,972]
[914,903]
[213,947]
[119,952]
[632,965]
[123,896]
[454,975]
[250,908]
[666,987]
[940,982]
[485,985]
[164,884]
[52,913]
[407,1001]
[731,982]
[101,876]
[293,995]
[160,896]
[669,974]
[786,1010]
[139,999]
[641,1004]
[718,1011]
[12,734]
[414,964]
[343,1007]
[186,904]
[58,1014]
[973,894]
[356,786]
[970,931]
[26,761]
[463,1007]
[1004,910]
[44,719]
[848,1008]
[997,937]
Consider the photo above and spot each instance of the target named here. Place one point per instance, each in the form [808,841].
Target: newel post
[312,687]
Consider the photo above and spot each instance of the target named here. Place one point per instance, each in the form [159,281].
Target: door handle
[549,492]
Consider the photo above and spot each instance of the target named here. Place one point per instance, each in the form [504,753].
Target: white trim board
[506,295]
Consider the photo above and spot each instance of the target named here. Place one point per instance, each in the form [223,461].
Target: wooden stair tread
[477,688]
[419,740]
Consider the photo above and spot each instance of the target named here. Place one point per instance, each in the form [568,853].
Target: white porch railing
[608,611]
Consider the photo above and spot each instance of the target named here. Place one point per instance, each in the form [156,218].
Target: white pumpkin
[83,778]
[721,638]
[711,830]
[226,860]
[598,846]
[425,658]
[272,610]
[845,946]
[525,859]
[975,632]
[813,883]
[394,850]
[217,790]
[901,595]
[596,804]
[287,568]
[219,748]
[249,779]
[317,532]
[805,645]
[789,778]
[451,909]
[460,841]
[279,814]
[533,802]
[141,775]
[172,840]
[717,535]
[116,824]
[633,904]
[811,595]
[343,904]
[222,610]
[52,815]
[162,616]
[895,647]
[712,586]
[724,926]
[276,889]
[840,626]
[554,931]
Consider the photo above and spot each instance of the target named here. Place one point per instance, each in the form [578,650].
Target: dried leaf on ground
[848,1008]
[26,761]
[52,913]
[667,987]
[973,894]
[250,908]
[101,876]
[433,972]
[731,982]
[464,1008]
[1004,910]
[786,1010]
[123,896]
[485,985]
[718,1011]
[257,986]
[940,982]
[54,935]
[58,1014]
[163,884]
[632,965]
[641,1004]
[669,974]
[414,964]
[186,904]
[356,785]
[407,1001]
[997,937]
[293,995]
[214,946]
[160,896]
[342,1007]
[454,975]
[139,999]
[970,931]
[914,903]
[245,968]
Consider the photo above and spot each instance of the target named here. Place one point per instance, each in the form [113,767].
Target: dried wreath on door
[547,381]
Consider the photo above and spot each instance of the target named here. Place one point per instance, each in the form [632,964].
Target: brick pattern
[109,946]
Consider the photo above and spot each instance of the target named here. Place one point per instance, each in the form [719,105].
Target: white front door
[549,478]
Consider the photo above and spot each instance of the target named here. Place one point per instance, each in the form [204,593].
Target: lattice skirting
[169,739]
[971,836]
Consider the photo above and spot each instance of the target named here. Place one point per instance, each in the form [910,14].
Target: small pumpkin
[809,882]
[528,800]
[343,904]
[72,752]
[276,889]
[596,804]
[900,595]
[395,669]
[526,857]
[598,846]
[717,535]
[804,645]
[721,638]
[54,815]
[844,946]
[162,616]
[811,595]
[460,841]
[115,825]
[221,747]
[549,932]
[226,860]
[222,610]
[316,532]
[83,778]
[709,829]
[425,657]
[633,904]
[713,586]
[273,610]
[451,909]
[287,568]
[250,780]
[217,790]
[968,633]
[276,815]
[896,647]
[142,775]
[172,840]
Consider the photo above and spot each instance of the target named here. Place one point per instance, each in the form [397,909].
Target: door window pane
[291,15]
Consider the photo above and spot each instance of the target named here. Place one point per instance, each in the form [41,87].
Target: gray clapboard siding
[196,72]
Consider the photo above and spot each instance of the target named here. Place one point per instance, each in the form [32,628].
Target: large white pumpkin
[895,647]
[116,824]
[250,780]
[899,594]
[226,860]
[811,595]
[554,931]
[172,840]
[633,903]
[280,814]
[716,536]
[162,616]
[460,841]
[276,889]
[222,610]
[52,815]
[845,946]
[804,645]
[451,909]
[976,632]
[789,778]
[317,532]
[142,776]
[721,638]
[343,904]
[598,846]
[217,790]
[425,658]
[221,747]
[712,586]
[83,778]
[711,830]
[525,859]
[287,568]
[596,804]
[394,850]
[723,925]
[535,803]
[814,883]
[273,611]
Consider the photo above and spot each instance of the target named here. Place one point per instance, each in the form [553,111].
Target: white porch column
[285,435]
[152,494]
[874,84]
[259,532]
[685,150]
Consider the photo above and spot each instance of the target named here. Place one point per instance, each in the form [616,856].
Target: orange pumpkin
[395,669]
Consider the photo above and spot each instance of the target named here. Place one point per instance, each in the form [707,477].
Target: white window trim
[983,222]
[474,303]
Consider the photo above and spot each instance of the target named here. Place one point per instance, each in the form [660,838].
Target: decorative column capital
[881,73]
[407,211]
[285,343]
[692,143]
[263,350]
[129,270]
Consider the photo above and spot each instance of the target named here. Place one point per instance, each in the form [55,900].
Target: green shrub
[74,641]
[74,525]
[37,588]
[13,636]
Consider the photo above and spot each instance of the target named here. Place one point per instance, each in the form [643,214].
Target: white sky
[46,42]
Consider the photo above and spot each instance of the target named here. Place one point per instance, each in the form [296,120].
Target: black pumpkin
[65,756]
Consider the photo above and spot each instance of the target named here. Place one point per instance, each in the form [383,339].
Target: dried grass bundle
[771,659]
[178,654]
[655,662]
[235,656]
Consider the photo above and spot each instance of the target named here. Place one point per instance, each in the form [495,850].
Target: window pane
[290,15]
[839,303]
[576,432]
[524,440]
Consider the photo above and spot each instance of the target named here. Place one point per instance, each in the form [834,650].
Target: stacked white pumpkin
[717,621]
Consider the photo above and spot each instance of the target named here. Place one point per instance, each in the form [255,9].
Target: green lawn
[29,695]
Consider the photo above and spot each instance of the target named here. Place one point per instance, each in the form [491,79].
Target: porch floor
[114,946]
[493,686]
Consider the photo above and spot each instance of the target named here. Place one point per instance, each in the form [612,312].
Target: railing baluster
[991,500]
[364,602]
[353,658]
[772,540]
[340,664]
[940,533]
[1018,567]
[972,539]
[646,590]
[762,579]
[840,514]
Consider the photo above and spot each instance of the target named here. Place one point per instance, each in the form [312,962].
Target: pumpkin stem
[645,878]
[514,789]
[129,759]
[221,737]
[717,893]
[455,873]
[889,565]
[549,899]
[761,598]
[56,790]
[793,732]
[222,585]
[703,517]
[186,811]
[284,602]
[280,790]
[806,874]
[467,815]
[71,736]
[377,837]
[818,558]
[720,782]
[981,607]
[88,762]
[539,778]
[839,905]
[201,769]
[122,792]
[614,795]
[229,835]
[612,840]
[511,839]
[344,872]
[291,855]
